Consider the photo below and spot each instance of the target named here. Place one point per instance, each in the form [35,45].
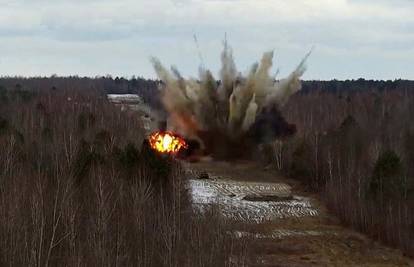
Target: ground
[289,226]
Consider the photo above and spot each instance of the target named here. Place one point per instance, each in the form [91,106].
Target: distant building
[125,99]
[135,103]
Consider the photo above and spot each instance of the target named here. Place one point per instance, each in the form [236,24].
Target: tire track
[228,195]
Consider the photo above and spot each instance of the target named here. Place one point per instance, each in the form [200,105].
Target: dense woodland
[78,188]
[354,145]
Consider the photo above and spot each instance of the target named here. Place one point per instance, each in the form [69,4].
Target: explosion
[231,114]
[166,142]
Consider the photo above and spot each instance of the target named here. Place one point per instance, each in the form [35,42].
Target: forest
[77,188]
[354,146]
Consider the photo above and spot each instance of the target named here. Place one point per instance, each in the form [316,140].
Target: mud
[288,226]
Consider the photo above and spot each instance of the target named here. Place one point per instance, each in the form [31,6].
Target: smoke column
[237,110]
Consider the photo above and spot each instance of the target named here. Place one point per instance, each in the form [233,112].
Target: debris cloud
[237,109]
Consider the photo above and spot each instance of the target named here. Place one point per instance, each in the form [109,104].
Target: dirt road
[290,227]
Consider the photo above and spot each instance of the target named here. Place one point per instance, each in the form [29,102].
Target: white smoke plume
[230,106]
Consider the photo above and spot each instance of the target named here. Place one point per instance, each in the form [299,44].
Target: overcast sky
[372,39]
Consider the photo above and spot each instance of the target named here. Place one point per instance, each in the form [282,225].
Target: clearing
[290,226]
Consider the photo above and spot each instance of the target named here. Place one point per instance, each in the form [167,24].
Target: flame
[166,142]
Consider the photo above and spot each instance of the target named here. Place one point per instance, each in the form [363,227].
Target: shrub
[129,156]
[85,120]
[4,125]
[387,181]
[86,157]
[301,163]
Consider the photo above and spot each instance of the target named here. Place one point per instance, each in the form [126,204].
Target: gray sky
[352,38]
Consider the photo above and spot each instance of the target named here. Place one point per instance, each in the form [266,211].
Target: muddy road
[289,226]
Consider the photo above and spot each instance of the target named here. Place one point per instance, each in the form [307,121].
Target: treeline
[148,89]
[78,189]
[337,86]
[355,145]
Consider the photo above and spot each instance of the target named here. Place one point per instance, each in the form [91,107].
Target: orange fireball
[166,142]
